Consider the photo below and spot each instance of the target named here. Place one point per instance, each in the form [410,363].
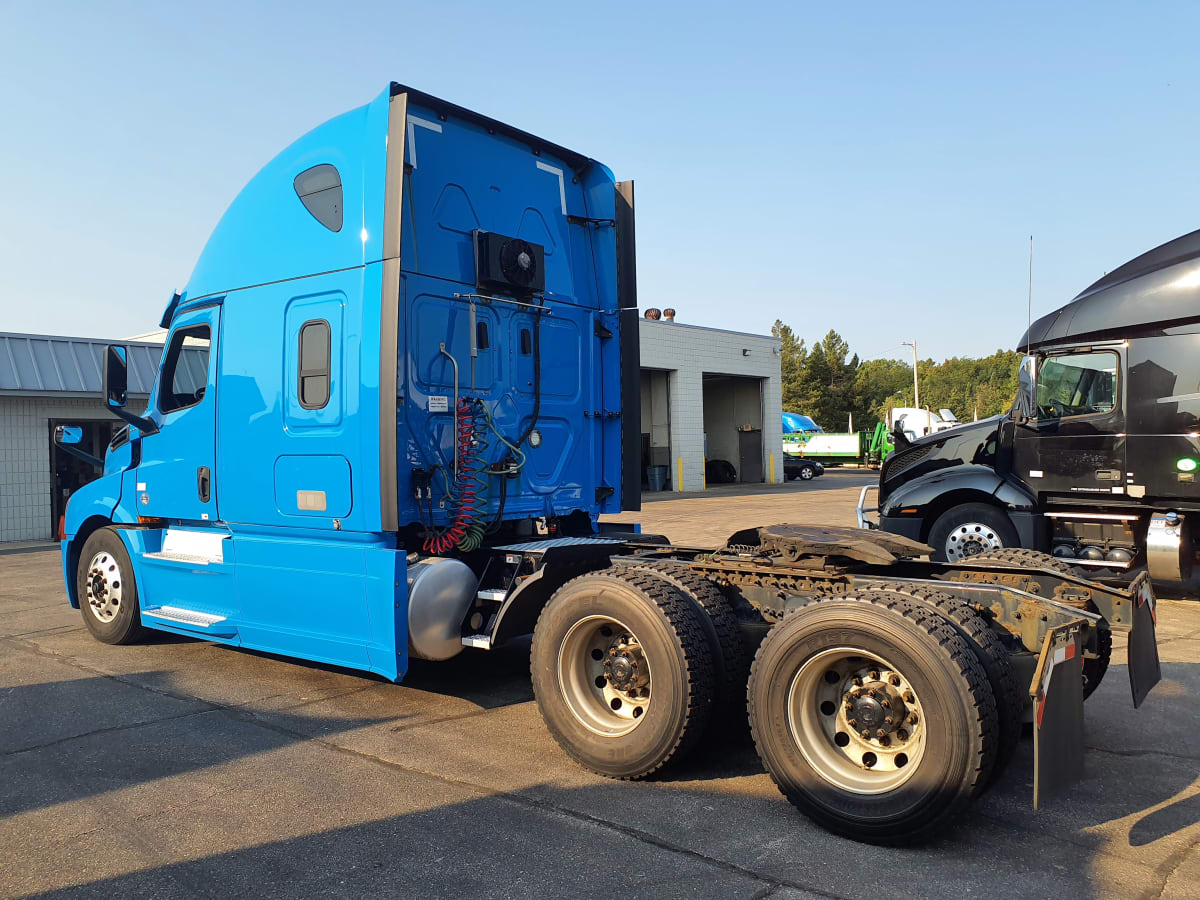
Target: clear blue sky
[875,168]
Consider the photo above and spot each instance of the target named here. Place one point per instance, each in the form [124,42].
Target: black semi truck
[1097,461]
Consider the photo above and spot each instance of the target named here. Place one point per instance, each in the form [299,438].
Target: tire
[1094,667]
[878,797]
[969,530]
[107,589]
[598,713]
[993,658]
[807,473]
[731,657]
[720,471]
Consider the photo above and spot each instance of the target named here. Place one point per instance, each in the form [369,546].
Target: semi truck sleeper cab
[396,396]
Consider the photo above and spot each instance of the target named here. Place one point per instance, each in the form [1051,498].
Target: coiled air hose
[469,486]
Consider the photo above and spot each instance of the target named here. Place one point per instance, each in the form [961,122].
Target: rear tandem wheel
[873,716]
[730,654]
[622,670]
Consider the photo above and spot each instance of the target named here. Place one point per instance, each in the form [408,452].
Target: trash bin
[656,477]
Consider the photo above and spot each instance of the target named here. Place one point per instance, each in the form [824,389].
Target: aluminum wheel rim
[806,474]
[971,539]
[103,590]
[604,676]
[821,705]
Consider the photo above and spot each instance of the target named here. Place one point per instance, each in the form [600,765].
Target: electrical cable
[537,370]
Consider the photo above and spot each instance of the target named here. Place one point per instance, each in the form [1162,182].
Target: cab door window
[185,369]
[1077,384]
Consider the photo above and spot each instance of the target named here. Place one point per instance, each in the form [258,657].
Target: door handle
[203,483]
[1108,474]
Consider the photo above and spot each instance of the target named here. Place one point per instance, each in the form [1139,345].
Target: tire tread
[683,620]
[972,680]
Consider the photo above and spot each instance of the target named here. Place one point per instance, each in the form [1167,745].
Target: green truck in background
[862,448]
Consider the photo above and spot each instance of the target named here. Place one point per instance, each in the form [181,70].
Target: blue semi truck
[396,396]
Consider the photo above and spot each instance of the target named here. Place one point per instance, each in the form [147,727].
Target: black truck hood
[971,444]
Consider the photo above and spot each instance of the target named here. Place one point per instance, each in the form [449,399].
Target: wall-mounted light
[745,352]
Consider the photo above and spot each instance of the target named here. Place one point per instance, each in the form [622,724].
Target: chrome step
[191,558]
[479,641]
[492,595]
[184,616]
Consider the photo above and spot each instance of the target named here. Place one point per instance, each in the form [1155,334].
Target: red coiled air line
[466,487]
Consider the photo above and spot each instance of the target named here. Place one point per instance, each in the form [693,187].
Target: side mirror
[116,388]
[116,377]
[68,434]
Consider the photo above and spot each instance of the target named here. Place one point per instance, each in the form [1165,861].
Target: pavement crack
[30,647]
[1144,752]
[527,802]
[1176,861]
[111,729]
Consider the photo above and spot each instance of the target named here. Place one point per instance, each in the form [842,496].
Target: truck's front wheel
[622,671]
[968,530]
[107,591]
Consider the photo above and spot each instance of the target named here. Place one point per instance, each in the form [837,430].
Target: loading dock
[733,424]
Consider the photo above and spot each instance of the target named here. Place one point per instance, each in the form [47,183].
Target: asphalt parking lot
[178,768]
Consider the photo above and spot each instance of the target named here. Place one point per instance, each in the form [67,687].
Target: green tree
[829,382]
[793,356]
[880,385]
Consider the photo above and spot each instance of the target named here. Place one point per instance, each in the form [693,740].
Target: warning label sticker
[439,404]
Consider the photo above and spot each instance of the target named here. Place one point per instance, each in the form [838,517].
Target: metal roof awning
[42,365]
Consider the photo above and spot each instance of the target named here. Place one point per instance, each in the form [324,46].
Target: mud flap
[1145,671]
[1057,692]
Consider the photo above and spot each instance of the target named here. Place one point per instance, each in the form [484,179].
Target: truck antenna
[1029,306]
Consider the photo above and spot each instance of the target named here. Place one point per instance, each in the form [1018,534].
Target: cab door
[175,476]
[1076,445]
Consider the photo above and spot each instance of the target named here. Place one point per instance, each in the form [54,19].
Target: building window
[320,190]
[314,364]
[185,369]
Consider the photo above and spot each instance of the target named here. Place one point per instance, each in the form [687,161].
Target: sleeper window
[314,364]
[320,190]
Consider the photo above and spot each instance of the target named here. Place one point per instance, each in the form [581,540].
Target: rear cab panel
[465,174]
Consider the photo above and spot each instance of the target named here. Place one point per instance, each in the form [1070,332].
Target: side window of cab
[185,369]
[1077,384]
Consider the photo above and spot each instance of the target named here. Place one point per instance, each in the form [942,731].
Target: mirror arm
[80,454]
[145,426]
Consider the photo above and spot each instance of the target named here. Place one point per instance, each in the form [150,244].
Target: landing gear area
[886,691]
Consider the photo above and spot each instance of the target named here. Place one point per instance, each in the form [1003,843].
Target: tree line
[829,383]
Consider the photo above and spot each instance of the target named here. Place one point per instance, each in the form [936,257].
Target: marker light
[1187,464]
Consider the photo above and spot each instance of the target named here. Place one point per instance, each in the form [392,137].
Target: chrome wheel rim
[806,474]
[971,539]
[604,676]
[103,587]
[856,720]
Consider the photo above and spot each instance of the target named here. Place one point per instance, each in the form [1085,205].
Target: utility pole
[916,389]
